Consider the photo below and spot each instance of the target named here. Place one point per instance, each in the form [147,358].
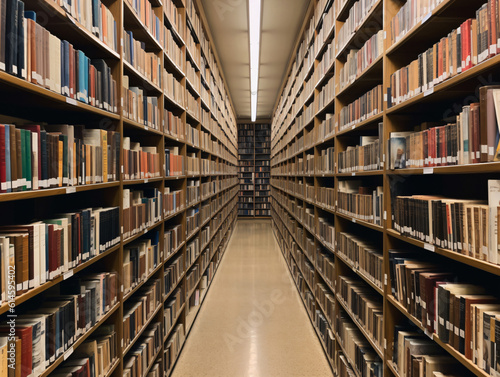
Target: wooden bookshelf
[254,169]
[203,104]
[306,124]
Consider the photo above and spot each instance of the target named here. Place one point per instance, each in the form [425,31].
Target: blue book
[7,159]
[81,77]
[86,72]
[95,17]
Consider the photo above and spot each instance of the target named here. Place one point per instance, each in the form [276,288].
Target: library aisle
[252,323]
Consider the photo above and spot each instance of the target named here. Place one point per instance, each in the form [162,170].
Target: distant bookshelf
[254,170]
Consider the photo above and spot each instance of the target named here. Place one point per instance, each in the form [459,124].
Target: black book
[20,40]
[3,32]
[11,37]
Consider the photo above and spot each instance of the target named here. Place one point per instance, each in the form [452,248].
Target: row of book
[139,309]
[174,17]
[325,231]
[357,14]
[368,105]
[139,358]
[192,251]
[94,357]
[140,162]
[325,197]
[139,107]
[191,75]
[63,69]
[326,62]
[174,162]
[460,314]
[140,258]
[358,60]
[173,201]
[174,126]
[192,220]
[173,89]
[468,227]
[172,240]
[463,48]
[141,210]
[146,63]
[324,97]
[146,14]
[363,157]
[173,274]
[415,354]
[326,300]
[34,157]
[412,13]
[43,335]
[358,350]
[193,191]
[173,347]
[365,257]
[472,138]
[172,48]
[192,164]
[193,108]
[325,263]
[364,305]
[359,202]
[325,164]
[96,18]
[172,309]
[42,251]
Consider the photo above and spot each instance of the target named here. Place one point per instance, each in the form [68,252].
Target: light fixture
[254,12]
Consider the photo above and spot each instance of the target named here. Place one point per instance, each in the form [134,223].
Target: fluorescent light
[254,12]
[254,106]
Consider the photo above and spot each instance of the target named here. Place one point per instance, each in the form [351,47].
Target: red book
[52,252]
[3,165]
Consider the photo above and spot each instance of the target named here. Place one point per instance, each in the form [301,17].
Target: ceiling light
[254,12]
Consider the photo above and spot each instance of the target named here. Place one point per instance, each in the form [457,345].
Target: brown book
[469,328]
[428,283]
[487,124]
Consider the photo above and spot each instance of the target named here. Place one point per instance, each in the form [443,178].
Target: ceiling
[228,23]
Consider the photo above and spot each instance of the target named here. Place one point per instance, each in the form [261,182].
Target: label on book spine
[429,247]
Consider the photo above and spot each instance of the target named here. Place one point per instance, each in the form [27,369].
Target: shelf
[366,80]
[141,126]
[481,168]
[453,352]
[145,82]
[363,31]
[442,91]
[4,308]
[43,193]
[361,125]
[360,326]
[359,273]
[44,103]
[469,261]
[129,294]
[78,342]
[139,333]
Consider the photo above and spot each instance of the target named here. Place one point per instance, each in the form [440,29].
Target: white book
[34,159]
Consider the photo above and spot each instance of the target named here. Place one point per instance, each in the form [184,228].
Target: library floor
[252,323]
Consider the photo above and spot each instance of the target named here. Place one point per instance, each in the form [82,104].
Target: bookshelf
[254,169]
[339,185]
[134,184]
